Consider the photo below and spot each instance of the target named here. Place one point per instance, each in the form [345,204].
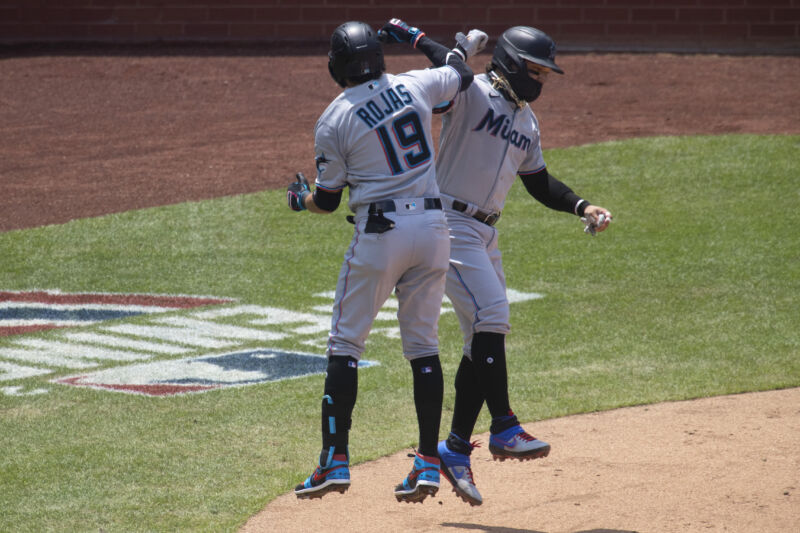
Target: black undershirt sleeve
[438,55]
[553,193]
[327,200]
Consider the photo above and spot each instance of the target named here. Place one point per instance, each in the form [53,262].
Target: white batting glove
[472,43]
[593,223]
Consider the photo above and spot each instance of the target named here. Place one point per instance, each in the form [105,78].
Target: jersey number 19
[410,137]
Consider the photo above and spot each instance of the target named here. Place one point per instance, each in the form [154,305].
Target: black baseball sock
[428,394]
[489,361]
[469,400]
[341,388]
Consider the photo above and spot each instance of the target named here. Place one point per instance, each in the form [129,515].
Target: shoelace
[470,476]
[525,436]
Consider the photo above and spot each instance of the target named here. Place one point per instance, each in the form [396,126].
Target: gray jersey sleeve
[435,85]
[331,168]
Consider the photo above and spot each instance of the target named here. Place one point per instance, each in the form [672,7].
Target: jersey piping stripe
[330,189]
[472,296]
[531,172]
[335,328]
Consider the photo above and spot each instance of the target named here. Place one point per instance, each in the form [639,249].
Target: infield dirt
[87,134]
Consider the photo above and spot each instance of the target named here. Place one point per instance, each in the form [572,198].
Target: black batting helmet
[514,47]
[355,54]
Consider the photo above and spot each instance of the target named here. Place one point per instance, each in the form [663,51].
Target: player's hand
[471,43]
[596,219]
[296,191]
[397,31]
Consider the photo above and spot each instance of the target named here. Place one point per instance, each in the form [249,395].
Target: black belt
[490,219]
[388,206]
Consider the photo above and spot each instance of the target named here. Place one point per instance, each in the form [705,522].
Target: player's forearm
[435,52]
[439,55]
[553,193]
[308,203]
[322,201]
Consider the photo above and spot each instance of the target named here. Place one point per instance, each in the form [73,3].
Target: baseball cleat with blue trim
[458,471]
[515,443]
[421,482]
[333,477]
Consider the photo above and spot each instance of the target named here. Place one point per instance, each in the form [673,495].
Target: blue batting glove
[398,31]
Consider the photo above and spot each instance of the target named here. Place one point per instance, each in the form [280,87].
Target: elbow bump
[466,80]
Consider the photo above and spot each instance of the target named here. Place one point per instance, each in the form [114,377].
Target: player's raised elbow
[466,80]
[464,72]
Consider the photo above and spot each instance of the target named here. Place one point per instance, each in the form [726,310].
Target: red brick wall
[747,25]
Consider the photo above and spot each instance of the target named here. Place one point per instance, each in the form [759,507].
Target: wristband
[581,206]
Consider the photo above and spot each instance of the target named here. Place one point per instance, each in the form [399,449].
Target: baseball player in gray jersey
[375,138]
[489,136]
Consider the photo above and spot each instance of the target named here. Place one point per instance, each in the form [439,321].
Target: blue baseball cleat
[457,470]
[334,476]
[421,482]
[515,443]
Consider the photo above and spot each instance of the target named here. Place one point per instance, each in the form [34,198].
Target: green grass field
[692,292]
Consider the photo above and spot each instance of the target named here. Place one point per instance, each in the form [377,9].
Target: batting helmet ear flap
[338,79]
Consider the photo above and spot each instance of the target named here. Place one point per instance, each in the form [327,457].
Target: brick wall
[704,25]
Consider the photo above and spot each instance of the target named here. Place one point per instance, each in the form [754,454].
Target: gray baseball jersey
[376,139]
[486,141]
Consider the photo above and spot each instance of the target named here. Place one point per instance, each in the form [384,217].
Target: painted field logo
[176,344]
[201,374]
[28,311]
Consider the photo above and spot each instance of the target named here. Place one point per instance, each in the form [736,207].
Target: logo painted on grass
[186,328]
[28,311]
[201,374]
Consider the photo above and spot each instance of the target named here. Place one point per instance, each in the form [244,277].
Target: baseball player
[489,136]
[375,138]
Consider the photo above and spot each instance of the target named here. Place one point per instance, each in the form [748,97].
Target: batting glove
[399,32]
[471,43]
[296,192]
